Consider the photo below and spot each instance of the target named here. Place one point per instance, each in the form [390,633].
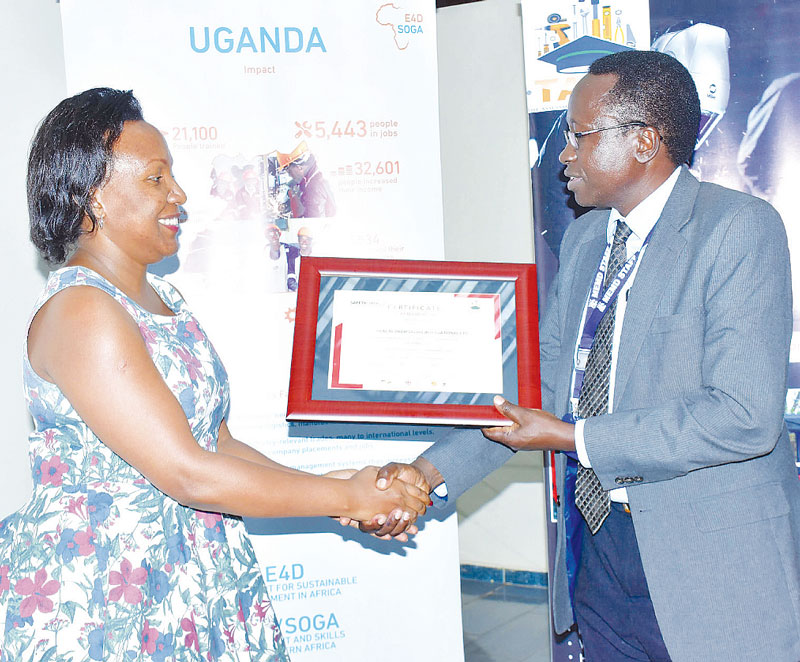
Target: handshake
[399,493]
[412,484]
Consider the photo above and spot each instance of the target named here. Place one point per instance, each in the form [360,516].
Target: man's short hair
[657,89]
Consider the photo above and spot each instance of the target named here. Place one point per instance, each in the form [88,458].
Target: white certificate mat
[416,341]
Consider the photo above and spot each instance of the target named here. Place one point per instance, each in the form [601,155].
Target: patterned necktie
[590,497]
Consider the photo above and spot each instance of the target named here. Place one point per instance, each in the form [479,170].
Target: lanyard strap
[598,305]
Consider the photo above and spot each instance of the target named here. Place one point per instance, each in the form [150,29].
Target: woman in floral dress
[132,546]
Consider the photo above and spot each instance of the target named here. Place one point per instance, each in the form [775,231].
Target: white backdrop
[228,83]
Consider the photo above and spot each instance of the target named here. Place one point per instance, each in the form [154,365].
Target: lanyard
[598,305]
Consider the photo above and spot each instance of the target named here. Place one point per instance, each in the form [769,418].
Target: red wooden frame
[301,406]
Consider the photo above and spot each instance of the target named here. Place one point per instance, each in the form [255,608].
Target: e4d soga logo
[405,24]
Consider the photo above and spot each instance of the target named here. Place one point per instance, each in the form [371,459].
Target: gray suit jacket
[697,432]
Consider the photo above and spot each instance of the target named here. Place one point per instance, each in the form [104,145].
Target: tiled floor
[504,622]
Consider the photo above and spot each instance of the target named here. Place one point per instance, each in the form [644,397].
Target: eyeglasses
[572,136]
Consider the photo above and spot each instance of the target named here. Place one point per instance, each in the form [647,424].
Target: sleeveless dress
[101,565]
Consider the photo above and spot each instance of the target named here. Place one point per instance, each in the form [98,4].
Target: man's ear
[648,144]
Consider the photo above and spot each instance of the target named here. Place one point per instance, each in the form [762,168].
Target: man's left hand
[531,429]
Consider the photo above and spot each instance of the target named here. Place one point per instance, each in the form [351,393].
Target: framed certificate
[402,341]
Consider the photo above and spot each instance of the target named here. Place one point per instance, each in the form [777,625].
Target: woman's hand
[368,501]
[340,473]
[532,429]
[393,521]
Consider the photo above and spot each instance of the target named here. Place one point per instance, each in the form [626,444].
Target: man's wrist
[568,436]
[430,473]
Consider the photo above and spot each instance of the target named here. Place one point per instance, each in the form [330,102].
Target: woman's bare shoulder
[77,324]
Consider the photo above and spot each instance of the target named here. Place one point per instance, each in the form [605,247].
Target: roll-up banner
[297,128]
[742,57]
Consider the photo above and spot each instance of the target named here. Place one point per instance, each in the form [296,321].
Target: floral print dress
[101,565]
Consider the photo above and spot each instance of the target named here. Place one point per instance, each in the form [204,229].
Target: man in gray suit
[697,554]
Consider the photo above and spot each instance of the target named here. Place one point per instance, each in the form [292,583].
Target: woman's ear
[96,205]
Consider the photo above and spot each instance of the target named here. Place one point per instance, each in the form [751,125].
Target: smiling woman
[132,545]
[143,199]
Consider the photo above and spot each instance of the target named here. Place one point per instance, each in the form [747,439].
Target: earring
[100,222]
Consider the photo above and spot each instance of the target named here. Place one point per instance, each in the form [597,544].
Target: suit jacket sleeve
[463,455]
[708,383]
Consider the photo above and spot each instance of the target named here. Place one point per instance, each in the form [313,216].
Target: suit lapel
[583,272]
[659,259]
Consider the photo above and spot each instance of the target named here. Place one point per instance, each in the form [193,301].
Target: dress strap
[78,275]
[168,293]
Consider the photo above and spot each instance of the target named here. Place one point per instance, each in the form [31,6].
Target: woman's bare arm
[227,444]
[84,342]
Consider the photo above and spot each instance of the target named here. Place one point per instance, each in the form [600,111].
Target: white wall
[487,209]
[32,81]
[484,133]
[487,217]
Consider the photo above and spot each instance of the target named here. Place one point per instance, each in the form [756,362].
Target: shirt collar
[643,217]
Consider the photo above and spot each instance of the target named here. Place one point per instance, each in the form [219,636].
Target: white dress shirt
[640,220]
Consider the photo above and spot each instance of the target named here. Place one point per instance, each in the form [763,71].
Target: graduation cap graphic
[575,57]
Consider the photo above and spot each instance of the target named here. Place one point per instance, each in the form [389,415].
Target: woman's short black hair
[657,89]
[70,158]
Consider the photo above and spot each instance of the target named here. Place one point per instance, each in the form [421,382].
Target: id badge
[581,358]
